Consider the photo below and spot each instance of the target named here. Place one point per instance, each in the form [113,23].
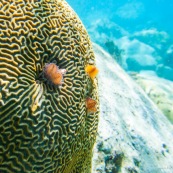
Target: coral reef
[45,128]
[114,51]
[158,89]
[133,134]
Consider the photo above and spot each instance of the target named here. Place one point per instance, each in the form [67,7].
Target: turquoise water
[139,32]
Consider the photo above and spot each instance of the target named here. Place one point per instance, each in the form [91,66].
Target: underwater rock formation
[114,51]
[45,127]
[159,90]
[133,135]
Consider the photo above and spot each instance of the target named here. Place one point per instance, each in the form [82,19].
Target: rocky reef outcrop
[158,89]
[133,135]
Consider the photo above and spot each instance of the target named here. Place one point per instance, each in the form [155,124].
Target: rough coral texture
[158,89]
[43,128]
[137,137]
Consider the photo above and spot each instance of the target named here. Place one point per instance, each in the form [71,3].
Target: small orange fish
[92,71]
[54,74]
[91,105]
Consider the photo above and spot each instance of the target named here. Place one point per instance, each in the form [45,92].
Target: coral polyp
[92,71]
[53,74]
[91,105]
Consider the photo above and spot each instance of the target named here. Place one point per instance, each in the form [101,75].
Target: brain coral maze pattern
[44,128]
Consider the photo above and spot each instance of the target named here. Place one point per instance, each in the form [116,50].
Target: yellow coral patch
[34,107]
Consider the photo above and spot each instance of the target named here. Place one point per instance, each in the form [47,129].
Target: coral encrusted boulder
[45,125]
[133,134]
[158,89]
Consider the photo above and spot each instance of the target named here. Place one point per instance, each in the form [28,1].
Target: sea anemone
[53,74]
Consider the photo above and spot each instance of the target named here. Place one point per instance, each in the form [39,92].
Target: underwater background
[138,33]
[67,106]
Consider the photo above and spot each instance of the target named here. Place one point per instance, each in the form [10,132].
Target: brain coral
[44,128]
